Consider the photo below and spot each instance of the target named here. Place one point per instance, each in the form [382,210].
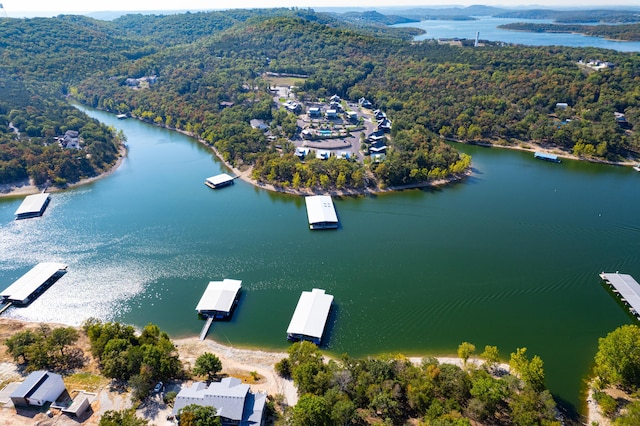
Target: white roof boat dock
[546,157]
[33,206]
[218,181]
[321,212]
[24,290]
[218,300]
[310,317]
[627,288]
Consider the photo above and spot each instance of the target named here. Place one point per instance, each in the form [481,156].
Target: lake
[488,28]
[508,257]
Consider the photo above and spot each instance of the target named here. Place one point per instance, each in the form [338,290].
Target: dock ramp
[206,327]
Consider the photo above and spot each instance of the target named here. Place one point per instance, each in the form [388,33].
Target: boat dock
[627,289]
[310,317]
[32,284]
[33,206]
[218,301]
[546,157]
[219,181]
[321,212]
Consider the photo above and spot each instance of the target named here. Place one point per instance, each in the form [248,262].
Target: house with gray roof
[39,388]
[234,402]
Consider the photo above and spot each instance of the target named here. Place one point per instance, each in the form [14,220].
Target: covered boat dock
[310,317]
[28,287]
[546,157]
[627,288]
[219,181]
[33,206]
[321,212]
[218,301]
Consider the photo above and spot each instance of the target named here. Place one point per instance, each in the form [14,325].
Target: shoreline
[532,146]
[27,187]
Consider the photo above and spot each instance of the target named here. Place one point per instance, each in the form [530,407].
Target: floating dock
[218,301]
[310,317]
[121,116]
[219,181]
[28,287]
[33,206]
[627,288]
[321,212]
[546,157]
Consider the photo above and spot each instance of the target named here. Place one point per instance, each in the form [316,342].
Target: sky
[54,7]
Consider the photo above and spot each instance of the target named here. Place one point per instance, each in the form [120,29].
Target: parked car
[158,388]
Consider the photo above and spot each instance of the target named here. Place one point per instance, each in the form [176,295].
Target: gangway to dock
[206,327]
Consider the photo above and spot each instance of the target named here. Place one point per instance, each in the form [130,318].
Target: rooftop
[33,205]
[320,209]
[310,316]
[30,282]
[219,296]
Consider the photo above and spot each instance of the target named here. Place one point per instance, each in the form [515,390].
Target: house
[70,139]
[259,124]
[315,112]
[226,104]
[293,107]
[234,402]
[621,120]
[302,152]
[352,116]
[384,125]
[562,105]
[39,388]
[379,114]
[331,113]
[364,103]
[335,98]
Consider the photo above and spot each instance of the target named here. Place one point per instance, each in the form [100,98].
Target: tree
[531,372]
[491,356]
[618,357]
[122,418]
[631,417]
[465,350]
[199,415]
[310,410]
[61,338]
[19,343]
[209,365]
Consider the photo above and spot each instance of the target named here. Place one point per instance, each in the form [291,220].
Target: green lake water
[508,257]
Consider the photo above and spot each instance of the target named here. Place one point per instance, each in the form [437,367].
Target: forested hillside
[189,64]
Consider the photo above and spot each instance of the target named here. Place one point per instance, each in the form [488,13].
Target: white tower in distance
[477,39]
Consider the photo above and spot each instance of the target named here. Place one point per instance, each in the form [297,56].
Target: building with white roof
[219,298]
[234,402]
[38,388]
[321,212]
[310,317]
[26,288]
[33,206]
[218,181]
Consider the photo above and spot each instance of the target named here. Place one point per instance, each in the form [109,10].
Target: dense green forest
[394,390]
[629,32]
[188,64]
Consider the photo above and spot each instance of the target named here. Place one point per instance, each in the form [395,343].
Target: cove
[488,29]
[507,257]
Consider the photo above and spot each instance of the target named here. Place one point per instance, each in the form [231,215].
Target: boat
[636,167]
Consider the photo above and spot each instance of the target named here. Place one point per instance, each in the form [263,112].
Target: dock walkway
[206,327]
[627,288]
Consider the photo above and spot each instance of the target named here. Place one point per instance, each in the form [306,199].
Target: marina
[546,157]
[28,287]
[321,212]
[219,181]
[627,289]
[33,206]
[218,301]
[310,317]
